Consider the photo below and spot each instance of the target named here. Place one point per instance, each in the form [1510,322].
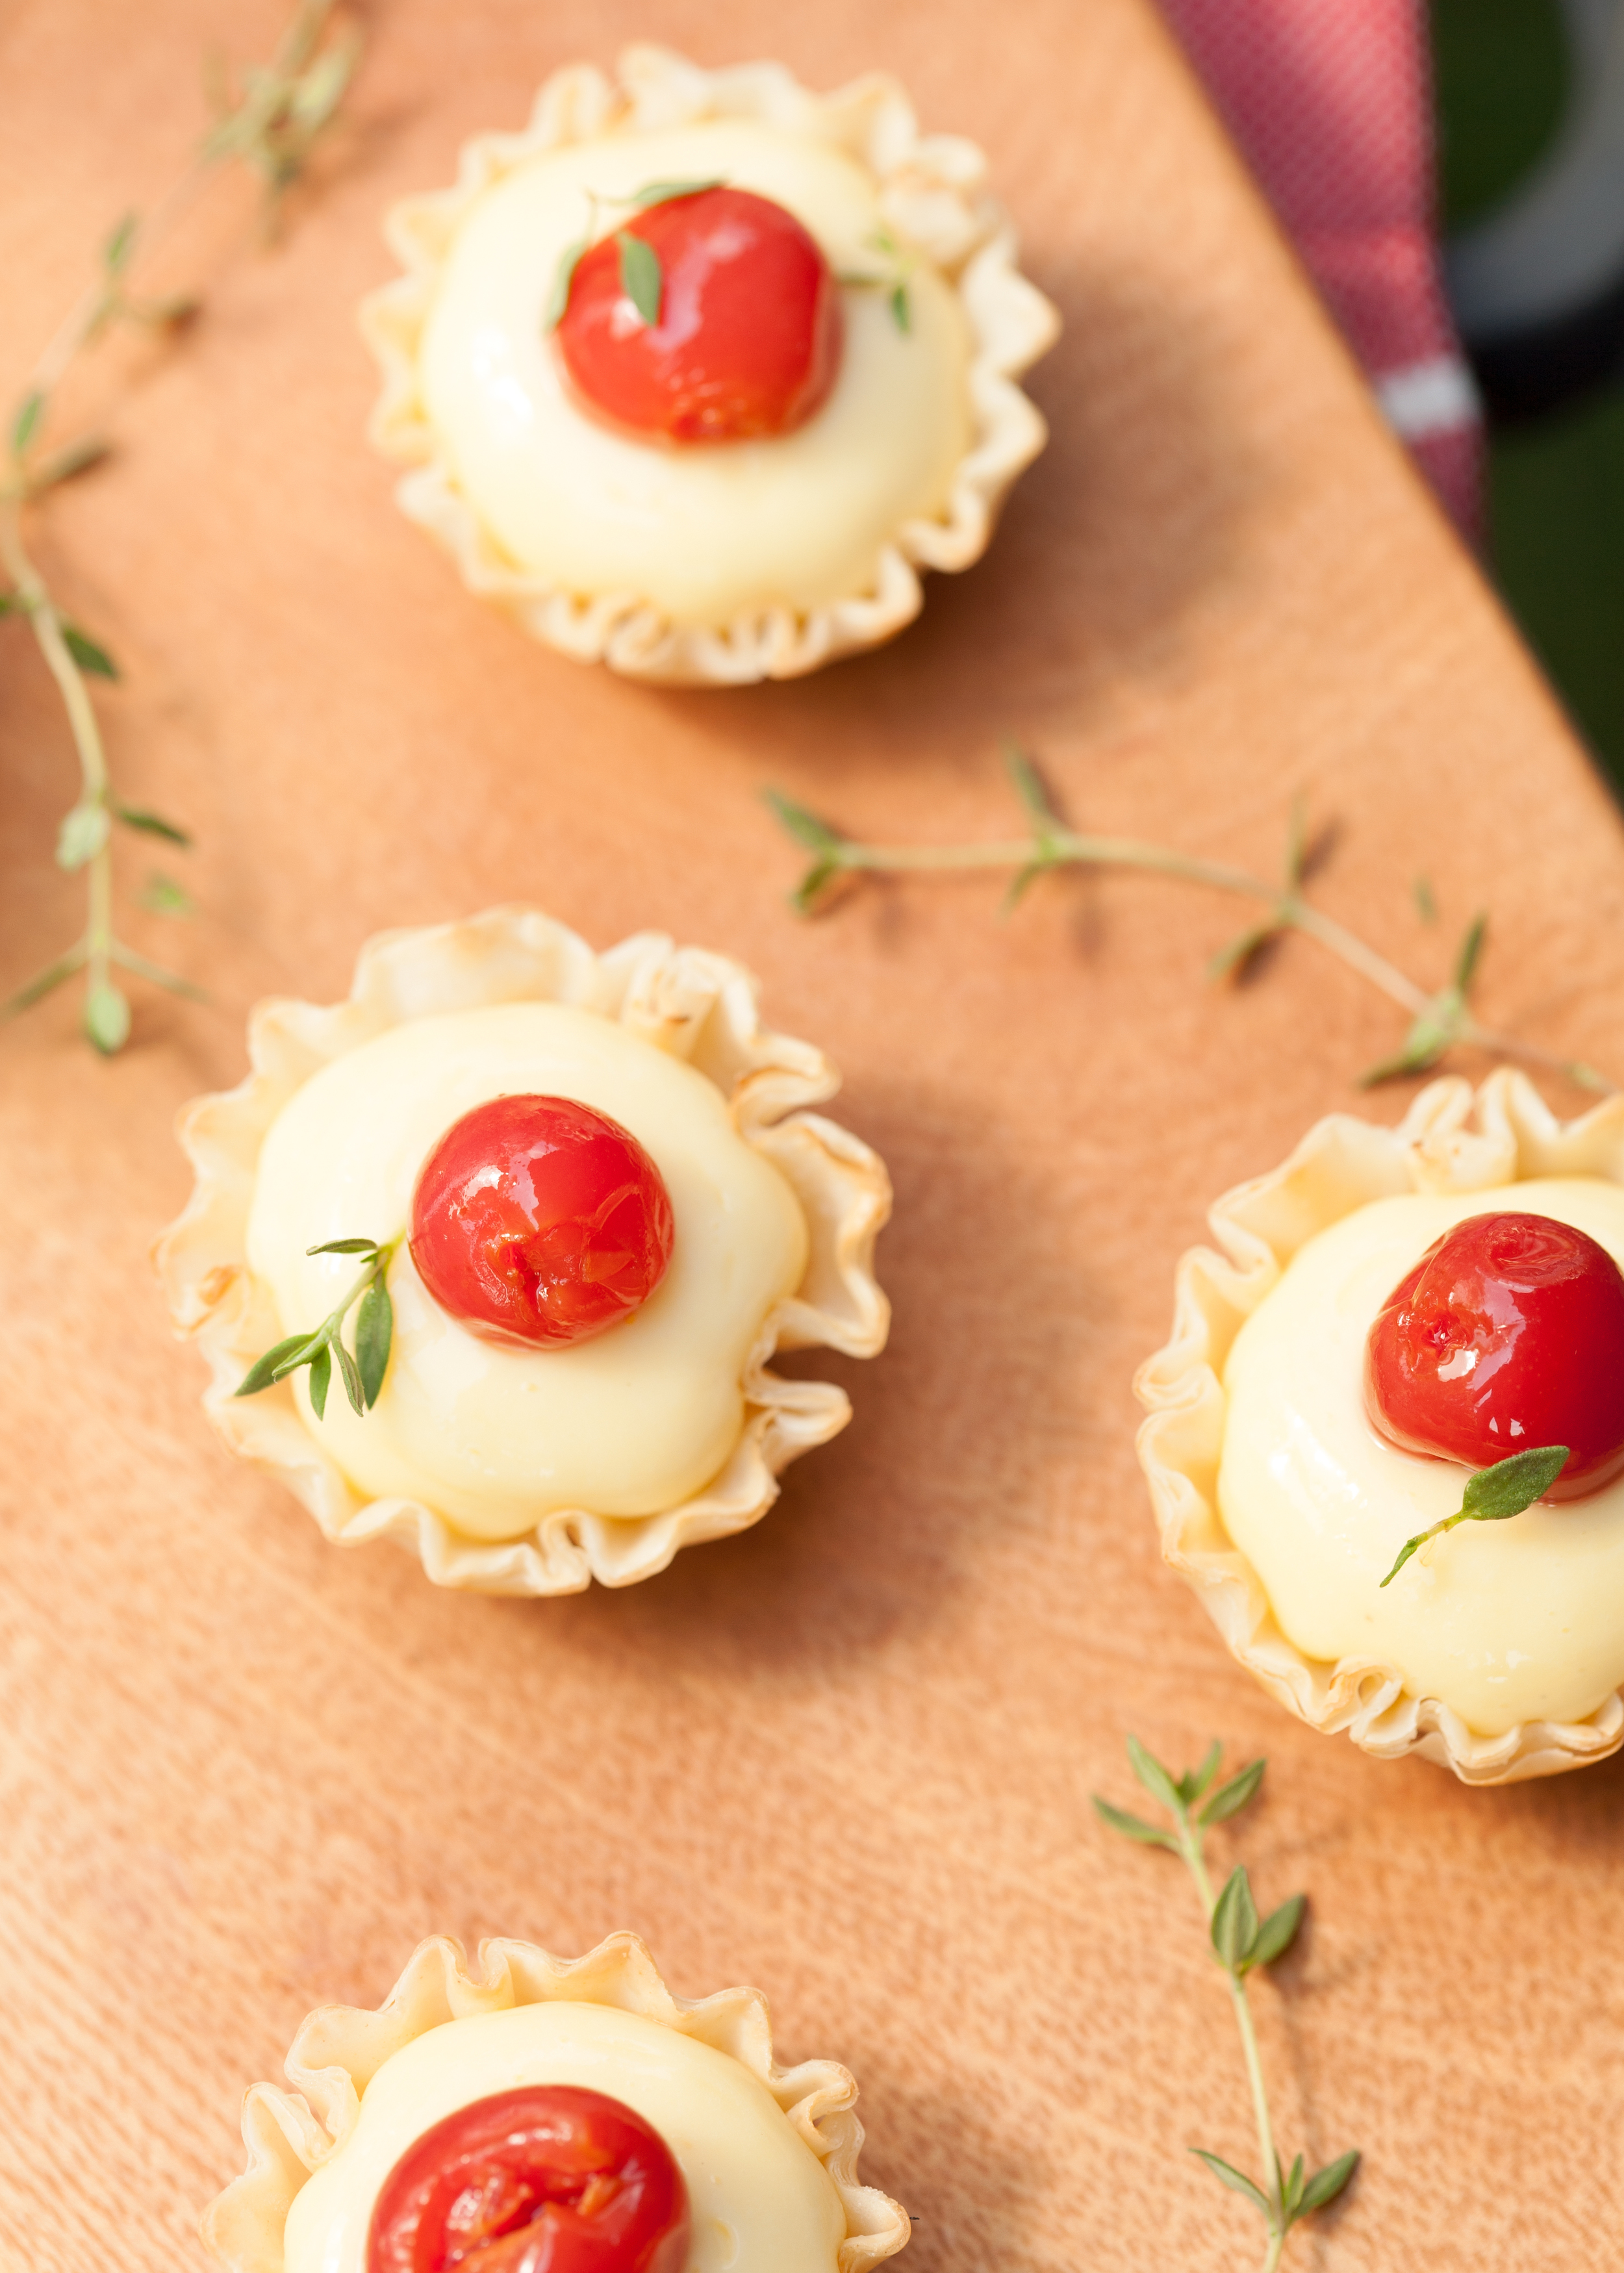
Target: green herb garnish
[1494,1493]
[564,277]
[641,279]
[893,277]
[661,193]
[1241,1941]
[363,1374]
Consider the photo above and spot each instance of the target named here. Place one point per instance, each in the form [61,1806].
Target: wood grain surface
[848,1756]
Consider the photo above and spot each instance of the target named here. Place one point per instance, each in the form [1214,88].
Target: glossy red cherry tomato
[747,339]
[1508,1335]
[545,2180]
[537,1220]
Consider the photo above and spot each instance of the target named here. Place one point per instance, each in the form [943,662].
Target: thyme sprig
[271,123]
[642,278]
[1495,1494]
[893,278]
[1240,1942]
[1439,1021]
[363,1375]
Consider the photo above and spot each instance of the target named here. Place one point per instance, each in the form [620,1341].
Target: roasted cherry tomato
[546,2179]
[746,340]
[1508,1334]
[537,1220]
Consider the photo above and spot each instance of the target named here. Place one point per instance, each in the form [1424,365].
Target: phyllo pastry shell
[718,562]
[770,2153]
[1496,1652]
[528,1472]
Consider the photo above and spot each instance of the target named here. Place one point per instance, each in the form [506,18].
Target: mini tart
[695,1013]
[365,2084]
[1472,1152]
[828,548]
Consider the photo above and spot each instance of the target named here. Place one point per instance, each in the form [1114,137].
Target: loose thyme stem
[1190,1849]
[1241,1941]
[284,108]
[1437,1021]
[1067,848]
[94,949]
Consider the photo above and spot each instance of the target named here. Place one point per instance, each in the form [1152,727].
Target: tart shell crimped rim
[931,194]
[1450,1141]
[696,1006]
[340,2048]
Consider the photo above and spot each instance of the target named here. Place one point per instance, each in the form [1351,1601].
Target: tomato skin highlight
[748,338]
[537,1220]
[547,2179]
[1508,1335]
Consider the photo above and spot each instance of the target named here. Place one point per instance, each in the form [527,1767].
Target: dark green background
[1556,487]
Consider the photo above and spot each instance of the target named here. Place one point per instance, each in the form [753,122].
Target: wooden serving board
[848,1756]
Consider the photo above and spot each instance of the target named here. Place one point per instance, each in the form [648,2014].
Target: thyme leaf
[1237,2181]
[65,465]
[268,1369]
[374,1336]
[1134,1827]
[107,1018]
[164,895]
[1195,1781]
[151,824]
[802,824]
[661,193]
[361,1374]
[564,277]
[1495,1494]
[83,833]
[641,277]
[89,654]
[1277,1931]
[352,1377]
[1234,1922]
[1230,1797]
[1326,2184]
[1443,1019]
[116,251]
[30,410]
[892,278]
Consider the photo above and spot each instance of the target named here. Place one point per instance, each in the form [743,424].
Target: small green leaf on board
[89,654]
[107,1018]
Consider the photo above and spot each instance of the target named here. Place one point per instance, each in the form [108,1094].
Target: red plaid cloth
[1330,100]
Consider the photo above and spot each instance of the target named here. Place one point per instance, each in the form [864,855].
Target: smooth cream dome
[760,2201]
[1505,1622]
[704,531]
[495,1438]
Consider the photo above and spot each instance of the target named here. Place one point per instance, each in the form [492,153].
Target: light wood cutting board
[848,1756]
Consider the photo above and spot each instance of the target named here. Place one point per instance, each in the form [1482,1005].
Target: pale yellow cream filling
[493,1438]
[705,532]
[760,2200]
[1506,1622]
